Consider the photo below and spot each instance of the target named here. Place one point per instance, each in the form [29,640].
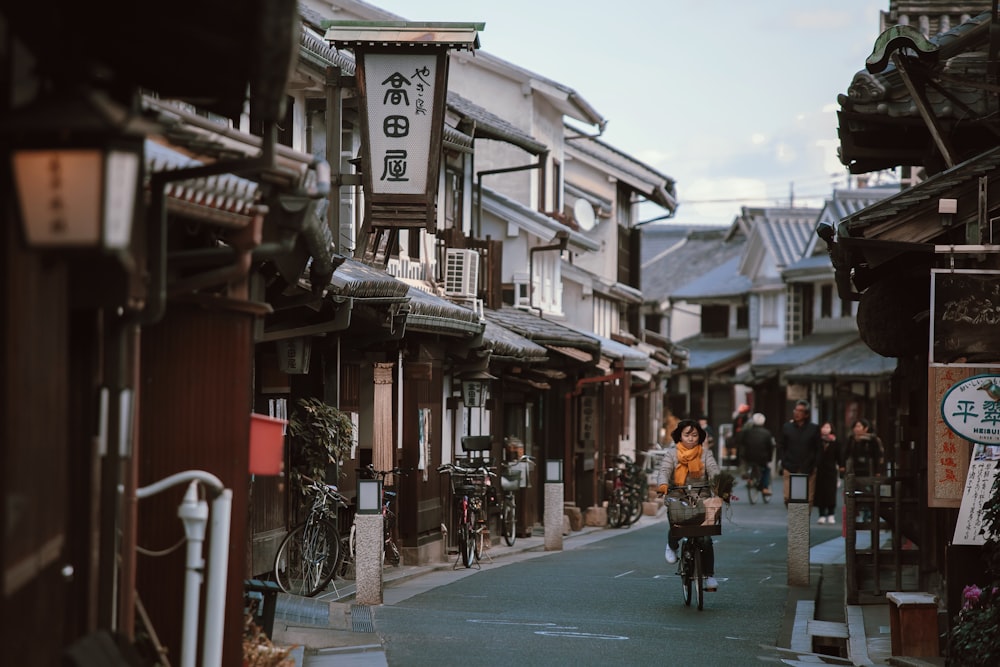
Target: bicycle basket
[685,510]
[510,481]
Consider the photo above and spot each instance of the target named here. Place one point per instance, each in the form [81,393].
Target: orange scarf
[688,463]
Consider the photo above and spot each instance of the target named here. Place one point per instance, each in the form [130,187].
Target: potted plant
[322,435]
[974,639]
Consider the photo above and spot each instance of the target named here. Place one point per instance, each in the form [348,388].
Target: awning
[542,331]
[707,354]
[506,345]
[857,361]
[572,353]
[809,348]
[432,314]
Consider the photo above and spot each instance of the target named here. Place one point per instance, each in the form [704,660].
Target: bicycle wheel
[685,572]
[614,512]
[467,540]
[345,568]
[479,540]
[634,509]
[698,579]
[753,488]
[390,552]
[307,558]
[509,521]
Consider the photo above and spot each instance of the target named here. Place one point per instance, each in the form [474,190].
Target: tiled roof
[435,314]
[683,263]
[856,360]
[491,126]
[809,348]
[723,282]
[540,330]
[926,192]
[706,353]
[507,345]
[357,280]
[786,232]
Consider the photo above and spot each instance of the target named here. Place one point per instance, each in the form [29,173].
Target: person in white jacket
[688,463]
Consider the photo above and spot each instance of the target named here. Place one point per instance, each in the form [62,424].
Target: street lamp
[77,162]
[554,471]
[798,488]
[369,496]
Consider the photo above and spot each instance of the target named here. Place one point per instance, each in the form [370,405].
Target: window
[742,318]
[715,320]
[826,301]
[452,201]
[769,310]
[846,308]
[546,283]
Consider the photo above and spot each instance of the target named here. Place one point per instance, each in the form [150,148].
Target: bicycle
[752,475]
[390,550]
[695,538]
[310,553]
[625,483]
[466,488]
[510,482]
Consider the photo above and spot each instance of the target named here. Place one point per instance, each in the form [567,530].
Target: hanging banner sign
[971,408]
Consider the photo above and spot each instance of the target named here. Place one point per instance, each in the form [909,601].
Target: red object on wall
[267,445]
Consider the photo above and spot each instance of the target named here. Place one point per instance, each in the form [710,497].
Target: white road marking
[624,573]
[579,635]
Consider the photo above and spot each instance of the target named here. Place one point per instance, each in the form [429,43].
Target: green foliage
[322,436]
[974,640]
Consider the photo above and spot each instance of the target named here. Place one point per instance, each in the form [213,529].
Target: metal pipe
[218,568]
[489,172]
[194,513]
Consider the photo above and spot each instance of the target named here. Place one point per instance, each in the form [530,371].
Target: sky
[735,100]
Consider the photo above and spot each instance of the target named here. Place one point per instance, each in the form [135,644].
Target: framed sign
[965,318]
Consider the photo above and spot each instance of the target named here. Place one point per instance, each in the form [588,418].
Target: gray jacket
[665,473]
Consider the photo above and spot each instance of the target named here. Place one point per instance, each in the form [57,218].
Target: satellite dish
[583,213]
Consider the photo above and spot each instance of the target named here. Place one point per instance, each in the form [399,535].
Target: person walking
[827,475]
[799,448]
[690,463]
[756,447]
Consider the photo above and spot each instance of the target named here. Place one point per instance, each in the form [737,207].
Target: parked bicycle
[626,487]
[390,550]
[309,555]
[467,486]
[510,482]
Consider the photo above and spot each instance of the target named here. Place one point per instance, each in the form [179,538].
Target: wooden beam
[925,111]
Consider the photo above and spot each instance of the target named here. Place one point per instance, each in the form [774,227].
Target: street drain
[361,618]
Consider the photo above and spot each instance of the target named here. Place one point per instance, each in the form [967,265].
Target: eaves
[534,222]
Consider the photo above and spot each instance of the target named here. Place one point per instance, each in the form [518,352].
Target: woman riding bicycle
[689,463]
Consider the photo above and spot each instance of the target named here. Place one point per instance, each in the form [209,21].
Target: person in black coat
[799,447]
[756,447]
[827,475]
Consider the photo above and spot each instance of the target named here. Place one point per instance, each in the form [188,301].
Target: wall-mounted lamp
[77,162]
[554,471]
[369,496]
[947,208]
[475,388]
[798,488]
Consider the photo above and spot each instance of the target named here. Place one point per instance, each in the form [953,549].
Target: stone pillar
[368,558]
[553,517]
[798,544]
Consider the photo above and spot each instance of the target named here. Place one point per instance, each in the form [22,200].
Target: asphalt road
[611,599]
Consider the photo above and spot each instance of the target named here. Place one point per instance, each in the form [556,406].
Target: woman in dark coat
[827,474]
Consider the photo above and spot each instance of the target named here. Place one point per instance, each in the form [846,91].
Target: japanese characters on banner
[963,394]
[400,104]
[970,409]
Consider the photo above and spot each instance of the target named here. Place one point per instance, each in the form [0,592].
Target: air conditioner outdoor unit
[461,273]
